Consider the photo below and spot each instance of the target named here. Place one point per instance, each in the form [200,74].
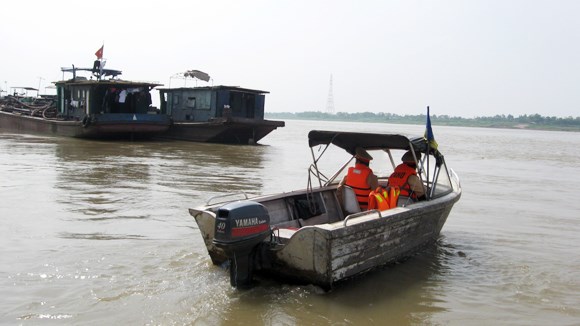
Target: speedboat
[319,235]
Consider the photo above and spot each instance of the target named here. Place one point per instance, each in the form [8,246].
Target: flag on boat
[429,133]
[99,52]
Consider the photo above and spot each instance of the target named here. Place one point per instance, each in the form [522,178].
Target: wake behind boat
[321,236]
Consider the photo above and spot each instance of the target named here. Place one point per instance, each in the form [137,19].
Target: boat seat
[319,219]
[349,202]
[403,201]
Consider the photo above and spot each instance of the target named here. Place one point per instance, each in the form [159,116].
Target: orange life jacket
[394,193]
[356,178]
[383,199]
[379,199]
[400,177]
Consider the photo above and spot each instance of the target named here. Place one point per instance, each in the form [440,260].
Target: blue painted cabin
[202,104]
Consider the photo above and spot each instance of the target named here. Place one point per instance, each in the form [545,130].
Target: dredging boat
[101,106]
[319,235]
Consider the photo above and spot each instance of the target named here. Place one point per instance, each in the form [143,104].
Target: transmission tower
[330,100]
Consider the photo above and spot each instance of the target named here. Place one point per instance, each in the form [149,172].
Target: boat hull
[106,129]
[224,130]
[327,254]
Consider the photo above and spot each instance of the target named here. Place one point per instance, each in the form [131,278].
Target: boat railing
[226,198]
[321,177]
[360,214]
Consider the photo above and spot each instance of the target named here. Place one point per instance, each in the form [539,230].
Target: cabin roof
[218,87]
[107,82]
[349,141]
[84,81]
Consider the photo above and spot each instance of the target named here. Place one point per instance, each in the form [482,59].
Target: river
[98,233]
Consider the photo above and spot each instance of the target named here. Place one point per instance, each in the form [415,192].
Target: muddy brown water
[95,233]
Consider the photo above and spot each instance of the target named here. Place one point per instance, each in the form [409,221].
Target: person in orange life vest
[405,177]
[360,178]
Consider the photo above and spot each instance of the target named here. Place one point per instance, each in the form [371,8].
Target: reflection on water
[75,214]
[405,293]
[104,180]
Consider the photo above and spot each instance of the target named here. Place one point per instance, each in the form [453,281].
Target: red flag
[99,52]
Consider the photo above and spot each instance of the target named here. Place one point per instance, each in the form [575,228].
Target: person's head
[408,158]
[362,156]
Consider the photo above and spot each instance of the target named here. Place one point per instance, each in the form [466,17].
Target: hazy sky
[462,58]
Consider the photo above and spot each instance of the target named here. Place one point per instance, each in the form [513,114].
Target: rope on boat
[37,108]
[49,113]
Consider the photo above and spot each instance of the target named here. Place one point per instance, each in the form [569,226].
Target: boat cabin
[79,97]
[202,104]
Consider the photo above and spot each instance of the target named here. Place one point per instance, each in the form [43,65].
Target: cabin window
[190,102]
[203,101]
[175,100]
[79,94]
[78,98]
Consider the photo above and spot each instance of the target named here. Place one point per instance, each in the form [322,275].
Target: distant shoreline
[524,122]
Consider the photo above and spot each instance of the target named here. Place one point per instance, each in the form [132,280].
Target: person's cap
[408,157]
[362,154]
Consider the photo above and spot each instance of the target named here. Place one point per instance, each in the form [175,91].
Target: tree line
[533,121]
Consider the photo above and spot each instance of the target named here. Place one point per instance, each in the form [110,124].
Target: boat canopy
[102,72]
[349,141]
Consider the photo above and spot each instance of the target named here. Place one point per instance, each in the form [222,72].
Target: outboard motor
[240,227]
